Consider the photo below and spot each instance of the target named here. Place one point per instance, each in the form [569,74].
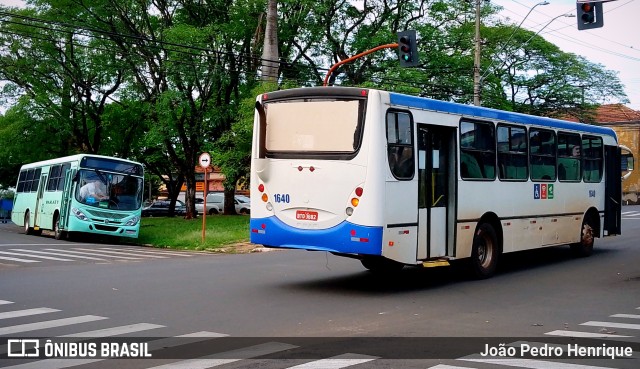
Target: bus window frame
[558,156]
[586,158]
[410,145]
[263,109]
[526,153]
[495,150]
[555,155]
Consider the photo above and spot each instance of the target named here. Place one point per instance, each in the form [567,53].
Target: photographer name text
[557,351]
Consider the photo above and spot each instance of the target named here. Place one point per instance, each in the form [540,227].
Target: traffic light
[589,15]
[407,48]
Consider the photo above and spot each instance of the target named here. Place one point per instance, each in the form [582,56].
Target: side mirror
[627,161]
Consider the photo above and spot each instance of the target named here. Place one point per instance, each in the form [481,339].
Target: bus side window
[593,159]
[569,157]
[400,150]
[477,150]
[512,152]
[542,154]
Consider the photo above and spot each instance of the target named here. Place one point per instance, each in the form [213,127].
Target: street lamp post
[568,15]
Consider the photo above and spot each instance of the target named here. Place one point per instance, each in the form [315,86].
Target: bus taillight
[359,191]
[261,187]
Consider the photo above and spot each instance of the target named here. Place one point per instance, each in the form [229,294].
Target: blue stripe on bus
[273,232]
[480,112]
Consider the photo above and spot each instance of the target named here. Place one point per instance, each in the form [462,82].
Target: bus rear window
[313,127]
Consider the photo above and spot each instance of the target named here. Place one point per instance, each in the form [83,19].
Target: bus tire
[584,248]
[57,233]
[27,230]
[379,264]
[485,252]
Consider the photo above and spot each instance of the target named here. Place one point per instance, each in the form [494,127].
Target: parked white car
[215,204]
[211,207]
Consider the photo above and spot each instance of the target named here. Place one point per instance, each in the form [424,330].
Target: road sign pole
[204,207]
[205,161]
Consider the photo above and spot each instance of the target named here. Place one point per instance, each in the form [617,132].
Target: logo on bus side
[543,191]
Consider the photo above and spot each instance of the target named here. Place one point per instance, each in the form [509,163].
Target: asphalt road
[278,297]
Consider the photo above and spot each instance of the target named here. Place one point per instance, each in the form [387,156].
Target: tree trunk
[270,54]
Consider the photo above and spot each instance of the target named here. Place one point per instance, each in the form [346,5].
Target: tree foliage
[162,81]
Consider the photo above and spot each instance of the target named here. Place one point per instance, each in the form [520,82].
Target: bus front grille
[105,228]
[105,214]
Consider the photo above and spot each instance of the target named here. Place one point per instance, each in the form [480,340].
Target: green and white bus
[54,195]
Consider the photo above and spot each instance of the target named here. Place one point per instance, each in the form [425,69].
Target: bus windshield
[109,190]
[313,126]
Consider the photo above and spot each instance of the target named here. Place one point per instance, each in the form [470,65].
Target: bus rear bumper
[345,238]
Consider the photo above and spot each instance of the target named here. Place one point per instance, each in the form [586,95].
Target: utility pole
[476,59]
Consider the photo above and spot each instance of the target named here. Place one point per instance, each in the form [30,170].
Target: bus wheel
[485,251]
[379,264]
[585,246]
[27,229]
[57,233]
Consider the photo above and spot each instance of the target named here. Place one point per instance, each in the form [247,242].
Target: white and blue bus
[50,196]
[398,180]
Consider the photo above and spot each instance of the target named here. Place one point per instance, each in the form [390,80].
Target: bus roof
[488,113]
[66,159]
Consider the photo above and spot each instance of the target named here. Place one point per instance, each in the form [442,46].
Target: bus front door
[39,210]
[66,198]
[435,193]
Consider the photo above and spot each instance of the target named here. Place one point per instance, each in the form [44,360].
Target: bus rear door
[435,192]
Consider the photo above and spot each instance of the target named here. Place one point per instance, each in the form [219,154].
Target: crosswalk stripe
[18,260]
[5,302]
[630,316]
[100,252]
[68,363]
[612,325]
[203,334]
[115,331]
[49,324]
[227,357]
[158,252]
[336,362]
[584,334]
[534,364]
[445,366]
[94,254]
[33,256]
[59,254]
[27,312]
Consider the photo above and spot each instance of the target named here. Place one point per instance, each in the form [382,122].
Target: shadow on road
[412,279]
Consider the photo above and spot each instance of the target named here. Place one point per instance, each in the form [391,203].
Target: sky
[616,45]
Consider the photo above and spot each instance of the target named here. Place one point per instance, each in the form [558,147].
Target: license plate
[306,215]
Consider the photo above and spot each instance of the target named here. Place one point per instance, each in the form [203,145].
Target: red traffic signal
[589,15]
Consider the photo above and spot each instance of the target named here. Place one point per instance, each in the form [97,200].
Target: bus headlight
[80,215]
[133,221]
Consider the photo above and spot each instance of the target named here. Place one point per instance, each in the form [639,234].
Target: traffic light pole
[336,65]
